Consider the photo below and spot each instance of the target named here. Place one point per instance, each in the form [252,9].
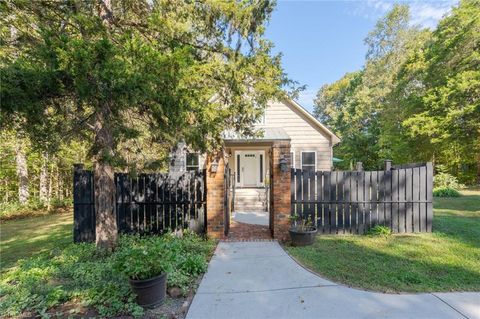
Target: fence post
[359,166]
[388,165]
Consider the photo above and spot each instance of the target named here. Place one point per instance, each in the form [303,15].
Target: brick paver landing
[247,232]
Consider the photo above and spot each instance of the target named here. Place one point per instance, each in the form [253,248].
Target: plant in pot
[146,262]
[302,231]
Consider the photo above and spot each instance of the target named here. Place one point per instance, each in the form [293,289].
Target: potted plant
[302,231]
[146,264]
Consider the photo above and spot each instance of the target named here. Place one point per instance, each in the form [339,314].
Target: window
[309,161]
[192,163]
[292,159]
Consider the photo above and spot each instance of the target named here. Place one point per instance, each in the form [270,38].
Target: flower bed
[80,279]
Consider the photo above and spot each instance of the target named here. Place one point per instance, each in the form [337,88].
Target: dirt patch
[174,308]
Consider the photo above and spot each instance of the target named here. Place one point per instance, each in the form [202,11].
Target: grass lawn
[24,237]
[446,260]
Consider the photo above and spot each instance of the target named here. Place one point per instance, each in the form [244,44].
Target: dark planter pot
[303,238]
[150,292]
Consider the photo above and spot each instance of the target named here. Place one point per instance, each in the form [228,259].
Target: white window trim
[186,155]
[308,151]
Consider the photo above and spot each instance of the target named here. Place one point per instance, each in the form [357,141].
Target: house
[310,141]
[291,136]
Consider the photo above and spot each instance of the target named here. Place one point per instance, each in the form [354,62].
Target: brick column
[215,193]
[281,191]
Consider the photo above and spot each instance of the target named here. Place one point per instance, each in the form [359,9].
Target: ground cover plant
[86,280]
[448,259]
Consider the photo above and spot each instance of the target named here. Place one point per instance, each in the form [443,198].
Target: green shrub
[445,192]
[79,274]
[58,203]
[34,207]
[142,258]
[445,180]
[379,230]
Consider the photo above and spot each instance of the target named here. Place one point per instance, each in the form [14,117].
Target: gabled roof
[302,110]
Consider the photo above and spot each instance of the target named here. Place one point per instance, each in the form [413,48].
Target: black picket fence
[341,202]
[145,204]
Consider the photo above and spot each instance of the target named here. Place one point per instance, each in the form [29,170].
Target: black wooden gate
[145,204]
[226,199]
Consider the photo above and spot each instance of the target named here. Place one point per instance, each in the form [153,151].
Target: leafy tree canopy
[416,98]
[137,68]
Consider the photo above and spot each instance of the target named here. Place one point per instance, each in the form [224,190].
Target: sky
[322,40]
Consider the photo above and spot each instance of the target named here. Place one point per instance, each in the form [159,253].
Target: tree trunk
[22,172]
[50,183]
[106,222]
[43,191]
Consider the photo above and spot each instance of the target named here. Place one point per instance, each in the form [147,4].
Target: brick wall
[281,192]
[215,193]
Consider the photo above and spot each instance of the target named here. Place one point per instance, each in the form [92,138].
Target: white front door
[250,168]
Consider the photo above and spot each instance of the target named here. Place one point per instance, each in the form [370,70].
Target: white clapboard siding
[304,134]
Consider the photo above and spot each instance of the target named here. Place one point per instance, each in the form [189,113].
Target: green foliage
[34,207]
[445,191]
[79,274]
[150,73]
[417,97]
[302,223]
[445,180]
[379,230]
[142,258]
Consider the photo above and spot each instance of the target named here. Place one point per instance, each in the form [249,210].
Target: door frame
[258,152]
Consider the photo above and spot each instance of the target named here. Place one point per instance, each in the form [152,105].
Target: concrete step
[247,193]
[249,199]
[258,205]
[250,190]
[250,209]
[255,204]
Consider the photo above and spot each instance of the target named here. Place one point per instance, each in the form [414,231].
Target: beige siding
[305,136]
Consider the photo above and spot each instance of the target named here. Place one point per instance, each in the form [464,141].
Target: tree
[22,171]
[417,97]
[110,70]
[355,106]
[446,108]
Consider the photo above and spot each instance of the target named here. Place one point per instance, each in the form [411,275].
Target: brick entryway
[217,222]
[241,231]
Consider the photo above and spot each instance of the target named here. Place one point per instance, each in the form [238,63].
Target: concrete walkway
[259,280]
[255,218]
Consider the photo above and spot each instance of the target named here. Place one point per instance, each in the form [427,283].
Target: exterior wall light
[283,164]
[214,166]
